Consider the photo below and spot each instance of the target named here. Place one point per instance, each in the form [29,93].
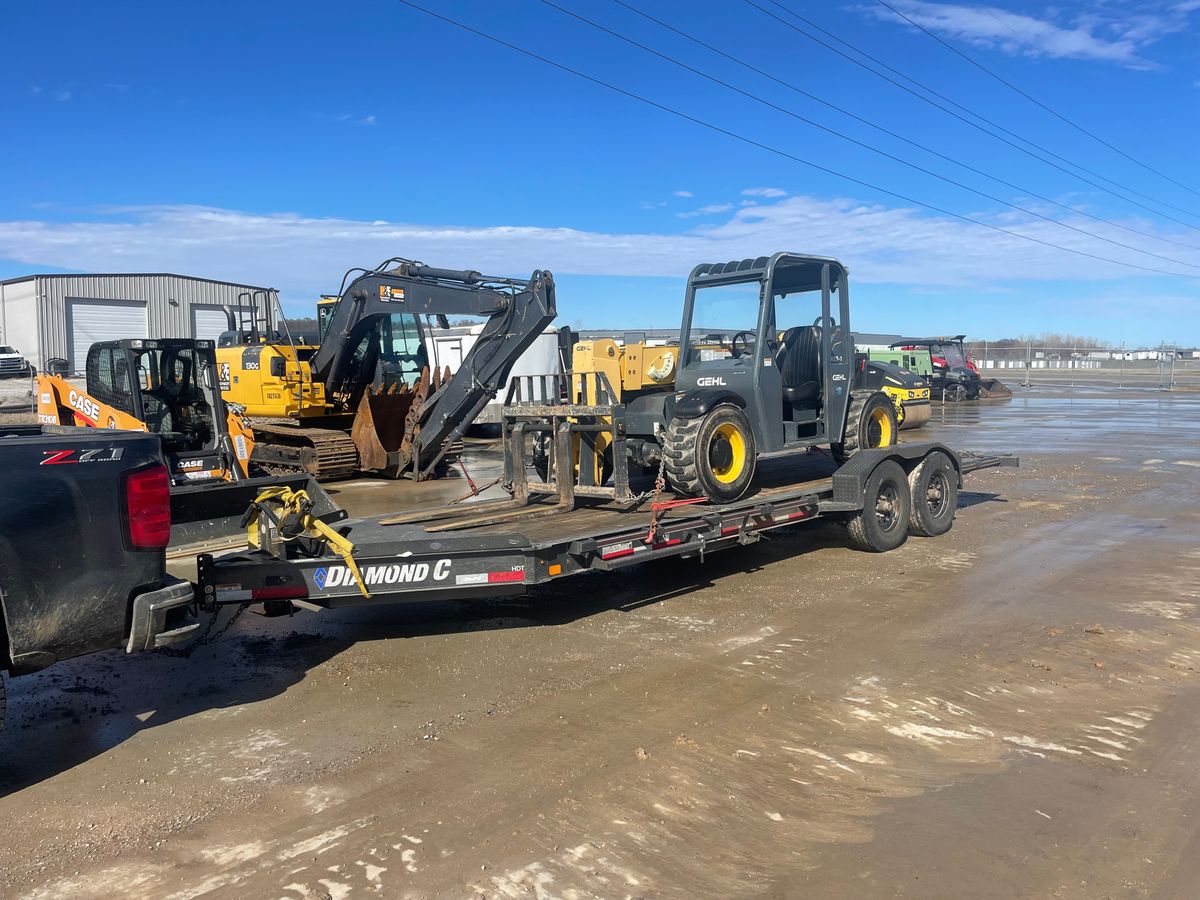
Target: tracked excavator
[366,399]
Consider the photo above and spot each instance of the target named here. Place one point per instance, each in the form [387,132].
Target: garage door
[209,320]
[89,321]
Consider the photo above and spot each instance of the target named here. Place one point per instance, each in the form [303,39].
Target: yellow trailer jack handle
[289,515]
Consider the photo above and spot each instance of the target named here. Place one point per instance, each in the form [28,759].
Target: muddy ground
[1010,710]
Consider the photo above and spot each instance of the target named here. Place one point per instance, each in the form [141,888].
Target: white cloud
[711,209]
[764,192]
[348,117]
[305,256]
[684,194]
[1112,32]
[62,96]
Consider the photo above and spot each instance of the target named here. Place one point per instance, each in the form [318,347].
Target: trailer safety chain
[206,637]
[290,513]
[660,485]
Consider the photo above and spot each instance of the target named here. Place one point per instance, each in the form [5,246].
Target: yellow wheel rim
[881,420]
[729,432]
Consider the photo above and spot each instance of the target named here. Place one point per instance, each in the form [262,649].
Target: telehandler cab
[764,365]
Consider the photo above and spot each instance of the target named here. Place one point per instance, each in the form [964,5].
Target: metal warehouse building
[47,317]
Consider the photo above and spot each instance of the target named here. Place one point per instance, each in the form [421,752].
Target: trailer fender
[849,482]
[698,402]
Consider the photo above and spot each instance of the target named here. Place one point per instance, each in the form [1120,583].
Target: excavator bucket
[379,428]
[993,388]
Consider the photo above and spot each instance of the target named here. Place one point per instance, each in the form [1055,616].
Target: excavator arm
[518,311]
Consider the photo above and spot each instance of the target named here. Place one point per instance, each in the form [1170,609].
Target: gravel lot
[1006,711]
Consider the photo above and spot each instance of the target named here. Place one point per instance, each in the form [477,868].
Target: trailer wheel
[882,523]
[711,456]
[870,422]
[934,488]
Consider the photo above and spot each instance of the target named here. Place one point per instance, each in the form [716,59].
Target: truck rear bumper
[148,629]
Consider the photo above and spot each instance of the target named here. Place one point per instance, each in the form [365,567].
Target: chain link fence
[1165,367]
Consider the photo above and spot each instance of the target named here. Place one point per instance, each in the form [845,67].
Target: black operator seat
[800,366]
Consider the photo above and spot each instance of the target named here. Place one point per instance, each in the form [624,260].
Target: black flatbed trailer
[431,555]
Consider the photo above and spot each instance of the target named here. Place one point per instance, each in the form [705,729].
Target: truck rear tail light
[148,508]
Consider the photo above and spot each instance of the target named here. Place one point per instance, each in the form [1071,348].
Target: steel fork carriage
[570,433]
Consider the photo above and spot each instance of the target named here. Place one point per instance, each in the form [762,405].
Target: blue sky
[280,144]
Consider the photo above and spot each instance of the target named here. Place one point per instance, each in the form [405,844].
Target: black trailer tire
[711,456]
[870,422]
[933,485]
[882,523]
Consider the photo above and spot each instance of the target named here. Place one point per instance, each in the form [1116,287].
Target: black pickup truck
[84,523]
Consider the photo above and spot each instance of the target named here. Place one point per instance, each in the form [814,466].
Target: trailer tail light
[148,508]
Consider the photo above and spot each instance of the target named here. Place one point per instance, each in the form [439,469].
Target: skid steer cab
[166,387]
[764,364]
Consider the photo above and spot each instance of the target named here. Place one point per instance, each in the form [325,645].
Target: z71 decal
[71,457]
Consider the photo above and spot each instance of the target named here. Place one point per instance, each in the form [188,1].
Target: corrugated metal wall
[164,317]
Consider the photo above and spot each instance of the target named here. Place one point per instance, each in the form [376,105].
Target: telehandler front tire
[711,456]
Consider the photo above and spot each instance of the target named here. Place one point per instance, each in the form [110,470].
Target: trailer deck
[450,553]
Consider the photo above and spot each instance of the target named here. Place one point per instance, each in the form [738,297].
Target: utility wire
[793,87]
[962,118]
[775,150]
[837,134]
[1004,81]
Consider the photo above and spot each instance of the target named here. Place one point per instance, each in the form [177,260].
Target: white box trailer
[448,348]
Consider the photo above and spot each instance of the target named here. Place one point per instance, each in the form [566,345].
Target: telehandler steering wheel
[747,337]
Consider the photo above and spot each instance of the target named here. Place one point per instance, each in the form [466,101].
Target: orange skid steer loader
[169,387]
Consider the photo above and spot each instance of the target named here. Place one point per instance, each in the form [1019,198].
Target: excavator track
[283,446]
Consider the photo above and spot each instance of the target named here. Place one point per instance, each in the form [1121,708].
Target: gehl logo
[710,381]
[397,573]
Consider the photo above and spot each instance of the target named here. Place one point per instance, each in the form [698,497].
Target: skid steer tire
[870,422]
[882,524]
[711,456]
[934,488]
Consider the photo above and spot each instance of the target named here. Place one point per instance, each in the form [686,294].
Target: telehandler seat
[799,361]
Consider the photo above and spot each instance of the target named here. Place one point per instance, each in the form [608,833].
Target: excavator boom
[440,409]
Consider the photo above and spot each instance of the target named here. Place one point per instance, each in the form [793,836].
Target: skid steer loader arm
[438,412]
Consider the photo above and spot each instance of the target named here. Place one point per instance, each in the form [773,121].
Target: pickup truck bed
[71,580]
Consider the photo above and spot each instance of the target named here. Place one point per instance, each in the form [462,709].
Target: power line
[857,143]
[967,121]
[775,150]
[1035,100]
[792,87]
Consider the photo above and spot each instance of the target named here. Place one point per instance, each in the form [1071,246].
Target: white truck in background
[13,364]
